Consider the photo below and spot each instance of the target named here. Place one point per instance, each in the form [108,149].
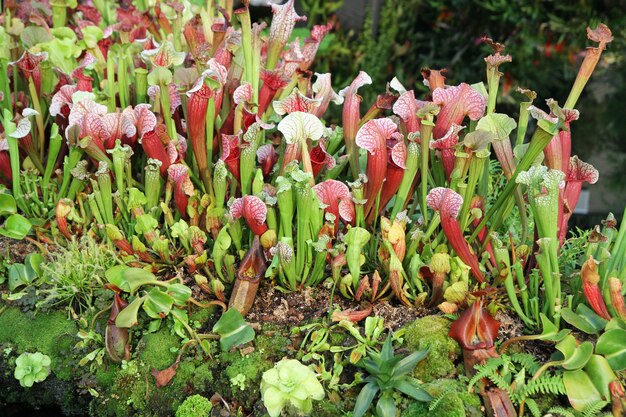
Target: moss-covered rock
[451,400]
[432,333]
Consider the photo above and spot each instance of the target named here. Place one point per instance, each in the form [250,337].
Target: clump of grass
[75,274]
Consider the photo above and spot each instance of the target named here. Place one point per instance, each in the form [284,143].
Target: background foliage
[545,38]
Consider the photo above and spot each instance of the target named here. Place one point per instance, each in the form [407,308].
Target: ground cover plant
[202,241]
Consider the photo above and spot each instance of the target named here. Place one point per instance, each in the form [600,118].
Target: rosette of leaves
[31,368]
[388,373]
[290,382]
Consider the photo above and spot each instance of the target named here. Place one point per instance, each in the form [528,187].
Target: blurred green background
[546,39]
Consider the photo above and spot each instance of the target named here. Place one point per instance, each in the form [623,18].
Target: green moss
[432,332]
[52,334]
[158,349]
[194,406]
[456,402]
[325,408]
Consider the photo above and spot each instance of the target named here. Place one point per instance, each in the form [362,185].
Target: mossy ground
[431,333]
[53,334]
[129,388]
[451,400]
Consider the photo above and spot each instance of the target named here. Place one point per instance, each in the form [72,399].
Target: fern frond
[546,384]
[533,407]
[563,412]
[486,370]
[435,403]
[528,362]
[593,409]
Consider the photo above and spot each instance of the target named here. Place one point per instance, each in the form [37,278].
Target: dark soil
[15,250]
[296,308]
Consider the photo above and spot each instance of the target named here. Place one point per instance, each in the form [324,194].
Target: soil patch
[295,308]
[16,250]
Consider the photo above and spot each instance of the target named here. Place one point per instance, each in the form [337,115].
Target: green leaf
[585,319]
[575,356]
[601,375]
[146,223]
[364,400]
[7,205]
[160,76]
[16,227]
[386,352]
[33,35]
[129,279]
[615,323]
[386,406]
[550,331]
[233,329]
[92,35]
[158,304]
[17,276]
[128,316]
[409,363]
[411,389]
[33,263]
[580,390]
[612,345]
[180,293]
[500,125]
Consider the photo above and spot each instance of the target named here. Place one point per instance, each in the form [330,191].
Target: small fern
[546,384]
[528,362]
[487,370]
[563,412]
[593,409]
[513,373]
[533,407]
[435,403]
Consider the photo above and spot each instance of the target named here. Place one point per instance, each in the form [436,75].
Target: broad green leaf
[158,304]
[612,345]
[550,331]
[91,36]
[33,35]
[17,276]
[601,375]
[615,323]
[128,316]
[386,406]
[500,125]
[584,319]
[146,223]
[16,227]
[364,400]
[580,389]
[33,263]
[180,293]
[180,319]
[233,329]
[574,356]
[409,363]
[129,279]
[7,205]
[412,390]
